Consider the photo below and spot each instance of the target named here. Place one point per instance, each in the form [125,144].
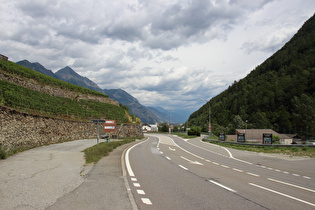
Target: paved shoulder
[103,188]
[36,178]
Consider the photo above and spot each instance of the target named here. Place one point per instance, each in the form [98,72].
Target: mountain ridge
[278,94]
[67,74]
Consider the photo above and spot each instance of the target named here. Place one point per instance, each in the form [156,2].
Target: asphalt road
[167,172]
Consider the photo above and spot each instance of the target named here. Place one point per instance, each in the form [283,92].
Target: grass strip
[291,151]
[95,153]
[184,135]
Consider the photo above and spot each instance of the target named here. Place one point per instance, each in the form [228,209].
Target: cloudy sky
[165,53]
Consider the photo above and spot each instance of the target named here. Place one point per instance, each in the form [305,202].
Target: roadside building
[150,127]
[256,136]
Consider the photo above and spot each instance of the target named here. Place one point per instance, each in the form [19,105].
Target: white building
[149,127]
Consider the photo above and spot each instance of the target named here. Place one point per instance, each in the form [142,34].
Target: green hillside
[34,102]
[279,94]
[15,69]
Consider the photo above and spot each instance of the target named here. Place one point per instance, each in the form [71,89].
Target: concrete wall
[21,129]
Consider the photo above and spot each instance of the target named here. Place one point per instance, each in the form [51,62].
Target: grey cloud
[156,25]
[169,58]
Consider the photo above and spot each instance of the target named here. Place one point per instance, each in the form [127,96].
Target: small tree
[275,139]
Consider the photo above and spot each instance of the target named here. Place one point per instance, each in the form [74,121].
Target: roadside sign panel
[222,136]
[210,127]
[110,126]
[267,138]
[241,137]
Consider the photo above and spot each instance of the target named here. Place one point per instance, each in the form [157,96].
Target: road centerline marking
[252,174]
[238,170]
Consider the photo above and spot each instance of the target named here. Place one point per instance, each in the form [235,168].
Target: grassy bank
[95,153]
[291,151]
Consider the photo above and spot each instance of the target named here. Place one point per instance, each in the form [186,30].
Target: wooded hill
[278,94]
[35,102]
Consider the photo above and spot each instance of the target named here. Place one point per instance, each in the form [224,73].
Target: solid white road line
[285,195]
[292,185]
[220,185]
[171,149]
[127,162]
[228,151]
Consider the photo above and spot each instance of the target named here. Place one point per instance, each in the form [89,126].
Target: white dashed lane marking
[146,201]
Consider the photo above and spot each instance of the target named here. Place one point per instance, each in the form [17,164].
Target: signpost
[187,129]
[98,122]
[109,127]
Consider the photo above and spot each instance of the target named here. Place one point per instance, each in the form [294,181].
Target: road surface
[167,172]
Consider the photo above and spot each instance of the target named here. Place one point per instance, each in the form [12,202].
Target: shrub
[194,131]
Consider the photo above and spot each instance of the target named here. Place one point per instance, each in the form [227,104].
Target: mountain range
[146,114]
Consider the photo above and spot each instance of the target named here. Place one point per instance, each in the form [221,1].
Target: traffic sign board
[110,126]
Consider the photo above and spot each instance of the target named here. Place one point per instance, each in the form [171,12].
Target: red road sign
[110,126]
[210,127]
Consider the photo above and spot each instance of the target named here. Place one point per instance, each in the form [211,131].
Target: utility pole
[210,127]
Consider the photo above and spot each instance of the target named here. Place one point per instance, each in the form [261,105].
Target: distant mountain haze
[67,74]
[37,67]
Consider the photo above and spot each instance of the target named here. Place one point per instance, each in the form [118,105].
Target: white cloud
[164,53]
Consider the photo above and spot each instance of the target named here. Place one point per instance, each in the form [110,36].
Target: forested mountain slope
[278,94]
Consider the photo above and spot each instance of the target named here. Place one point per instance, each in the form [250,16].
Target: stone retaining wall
[27,130]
